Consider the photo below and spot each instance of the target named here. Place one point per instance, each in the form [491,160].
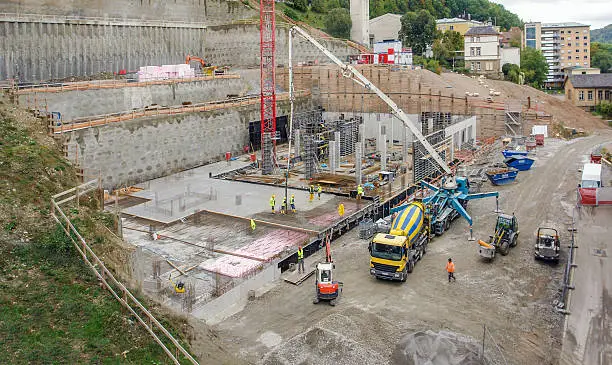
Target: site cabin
[591,176]
[590,182]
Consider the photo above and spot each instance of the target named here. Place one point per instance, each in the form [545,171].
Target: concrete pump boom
[352,73]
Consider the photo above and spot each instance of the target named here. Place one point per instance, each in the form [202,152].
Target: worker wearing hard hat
[300,254]
[450,269]
[359,191]
[292,203]
[311,191]
[319,191]
[284,206]
[273,202]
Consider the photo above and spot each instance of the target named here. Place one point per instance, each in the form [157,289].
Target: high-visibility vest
[359,189]
[292,200]
[272,202]
[284,202]
[253,225]
[300,254]
[320,189]
[450,267]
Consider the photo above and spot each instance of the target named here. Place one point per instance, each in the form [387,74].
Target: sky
[596,13]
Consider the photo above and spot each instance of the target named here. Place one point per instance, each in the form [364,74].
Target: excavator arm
[352,73]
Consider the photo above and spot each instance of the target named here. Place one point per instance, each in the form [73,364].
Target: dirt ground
[562,111]
[512,296]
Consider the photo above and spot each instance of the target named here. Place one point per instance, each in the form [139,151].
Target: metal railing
[71,19]
[116,288]
[99,120]
[53,87]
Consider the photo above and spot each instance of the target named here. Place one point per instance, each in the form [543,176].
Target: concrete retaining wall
[84,103]
[135,151]
[239,45]
[234,300]
[206,11]
[47,49]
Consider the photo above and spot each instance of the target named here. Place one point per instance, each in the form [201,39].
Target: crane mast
[267,30]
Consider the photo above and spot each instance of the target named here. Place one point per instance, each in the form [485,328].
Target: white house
[482,52]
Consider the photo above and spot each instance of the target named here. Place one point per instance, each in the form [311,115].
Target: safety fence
[570,266]
[116,288]
[490,349]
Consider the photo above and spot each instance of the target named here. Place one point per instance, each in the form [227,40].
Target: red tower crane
[267,28]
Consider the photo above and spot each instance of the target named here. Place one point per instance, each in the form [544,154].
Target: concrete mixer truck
[393,255]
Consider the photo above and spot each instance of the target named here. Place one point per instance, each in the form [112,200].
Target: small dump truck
[547,245]
[506,236]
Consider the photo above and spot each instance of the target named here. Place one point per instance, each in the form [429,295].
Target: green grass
[55,312]
[52,309]
[310,17]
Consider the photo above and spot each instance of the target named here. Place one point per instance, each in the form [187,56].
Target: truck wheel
[503,248]
[315,301]
[514,241]
[410,266]
[332,302]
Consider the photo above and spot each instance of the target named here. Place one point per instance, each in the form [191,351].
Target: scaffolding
[432,126]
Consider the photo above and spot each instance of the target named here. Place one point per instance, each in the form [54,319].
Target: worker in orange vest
[450,269]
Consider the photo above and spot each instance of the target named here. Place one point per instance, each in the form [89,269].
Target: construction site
[267,149]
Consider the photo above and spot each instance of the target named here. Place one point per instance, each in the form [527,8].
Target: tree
[512,73]
[534,65]
[319,6]
[301,5]
[446,44]
[338,23]
[418,30]
[601,56]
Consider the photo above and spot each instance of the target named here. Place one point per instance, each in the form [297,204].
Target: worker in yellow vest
[311,191]
[273,202]
[359,191]
[292,203]
[300,260]
[319,191]
[284,206]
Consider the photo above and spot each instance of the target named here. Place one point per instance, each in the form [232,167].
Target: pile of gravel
[320,346]
[437,348]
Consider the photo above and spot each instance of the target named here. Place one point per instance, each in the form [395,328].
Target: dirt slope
[561,110]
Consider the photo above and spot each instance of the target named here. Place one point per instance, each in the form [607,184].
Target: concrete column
[296,142]
[358,158]
[383,154]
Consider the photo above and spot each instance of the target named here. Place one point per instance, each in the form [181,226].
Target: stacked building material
[165,72]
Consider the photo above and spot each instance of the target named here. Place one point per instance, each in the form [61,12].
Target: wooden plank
[296,279]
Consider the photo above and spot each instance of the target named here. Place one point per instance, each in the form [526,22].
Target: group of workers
[315,189]
[283,205]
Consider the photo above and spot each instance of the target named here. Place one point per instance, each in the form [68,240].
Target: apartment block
[562,44]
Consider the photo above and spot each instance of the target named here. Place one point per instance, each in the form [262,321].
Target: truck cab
[393,257]
[388,257]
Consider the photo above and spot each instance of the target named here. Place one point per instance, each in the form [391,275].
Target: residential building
[457,24]
[360,15]
[482,50]
[460,25]
[579,70]
[514,34]
[562,44]
[587,91]
[384,28]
